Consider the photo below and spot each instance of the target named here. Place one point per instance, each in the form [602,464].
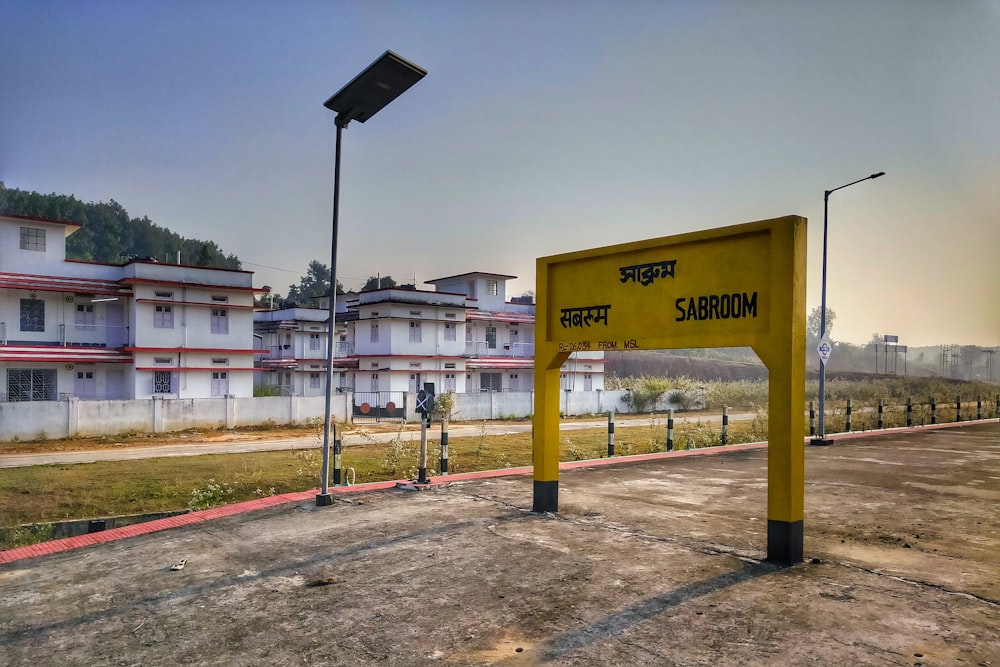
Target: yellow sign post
[734,286]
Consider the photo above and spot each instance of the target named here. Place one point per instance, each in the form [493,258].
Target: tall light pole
[820,438]
[368,93]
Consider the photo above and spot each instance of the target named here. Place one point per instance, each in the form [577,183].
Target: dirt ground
[646,563]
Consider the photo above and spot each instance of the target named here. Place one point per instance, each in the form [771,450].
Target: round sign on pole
[824,350]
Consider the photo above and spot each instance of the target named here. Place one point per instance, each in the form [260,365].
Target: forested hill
[109,235]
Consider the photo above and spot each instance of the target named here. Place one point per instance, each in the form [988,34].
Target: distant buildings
[146,329]
[464,337]
[107,331]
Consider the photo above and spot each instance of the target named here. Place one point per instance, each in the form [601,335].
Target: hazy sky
[542,127]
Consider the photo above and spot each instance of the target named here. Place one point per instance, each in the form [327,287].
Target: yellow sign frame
[742,285]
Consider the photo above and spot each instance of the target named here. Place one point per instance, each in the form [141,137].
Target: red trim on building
[35,219]
[195,368]
[206,350]
[175,283]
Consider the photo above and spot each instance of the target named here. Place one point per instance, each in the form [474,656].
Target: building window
[85,315]
[220,321]
[162,360]
[29,384]
[513,383]
[374,332]
[32,315]
[161,382]
[490,382]
[164,295]
[491,287]
[449,382]
[220,299]
[32,239]
[414,332]
[220,361]
[491,338]
[313,341]
[163,317]
[314,380]
[564,382]
[449,331]
[588,382]
[374,382]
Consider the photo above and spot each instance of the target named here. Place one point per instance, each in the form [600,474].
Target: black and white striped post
[909,411]
[670,428]
[444,446]
[933,411]
[725,425]
[336,454]
[996,412]
[812,419]
[422,465]
[979,407]
[958,408]
[847,420]
[611,433]
[880,420]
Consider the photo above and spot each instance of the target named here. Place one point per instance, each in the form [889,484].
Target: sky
[542,127]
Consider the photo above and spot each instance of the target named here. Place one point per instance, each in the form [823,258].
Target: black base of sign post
[784,542]
[821,441]
[324,499]
[546,497]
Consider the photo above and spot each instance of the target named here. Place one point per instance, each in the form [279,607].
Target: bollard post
[422,465]
[847,419]
[611,433]
[996,410]
[880,420]
[909,411]
[958,408]
[933,411]
[812,419]
[979,407]
[725,424]
[444,446]
[336,454]
[670,428]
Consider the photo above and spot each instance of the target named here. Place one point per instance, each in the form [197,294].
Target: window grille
[161,382]
[32,238]
[32,315]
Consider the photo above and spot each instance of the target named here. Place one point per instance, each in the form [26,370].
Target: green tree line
[109,235]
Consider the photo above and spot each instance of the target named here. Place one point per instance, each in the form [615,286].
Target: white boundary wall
[74,417]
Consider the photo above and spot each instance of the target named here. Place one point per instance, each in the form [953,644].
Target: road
[411,432]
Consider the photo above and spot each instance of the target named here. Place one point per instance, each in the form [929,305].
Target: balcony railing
[485,349]
[291,351]
[74,335]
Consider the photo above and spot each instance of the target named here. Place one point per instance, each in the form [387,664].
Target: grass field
[41,494]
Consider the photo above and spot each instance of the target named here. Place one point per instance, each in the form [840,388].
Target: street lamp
[821,439]
[379,84]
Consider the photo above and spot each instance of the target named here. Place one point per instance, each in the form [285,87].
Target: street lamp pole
[820,438]
[368,93]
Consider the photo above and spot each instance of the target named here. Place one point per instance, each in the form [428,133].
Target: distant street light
[821,439]
[379,84]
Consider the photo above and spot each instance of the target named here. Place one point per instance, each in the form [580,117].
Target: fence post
[670,427]
[812,419]
[933,411]
[909,411]
[444,446]
[611,433]
[725,424]
[958,408]
[336,454]
[880,421]
[847,420]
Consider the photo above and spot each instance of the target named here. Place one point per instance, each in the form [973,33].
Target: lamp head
[881,173]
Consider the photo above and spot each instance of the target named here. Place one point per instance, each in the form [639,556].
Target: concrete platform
[649,562]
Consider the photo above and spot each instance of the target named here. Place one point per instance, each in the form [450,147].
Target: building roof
[476,274]
[32,218]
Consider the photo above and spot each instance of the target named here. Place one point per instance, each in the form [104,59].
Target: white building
[464,337]
[136,330]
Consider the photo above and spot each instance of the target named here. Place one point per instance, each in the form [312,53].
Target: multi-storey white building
[136,330]
[464,337]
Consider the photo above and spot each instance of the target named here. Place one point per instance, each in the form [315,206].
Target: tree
[313,285]
[378,282]
[813,323]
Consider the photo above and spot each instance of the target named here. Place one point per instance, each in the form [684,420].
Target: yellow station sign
[742,285]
